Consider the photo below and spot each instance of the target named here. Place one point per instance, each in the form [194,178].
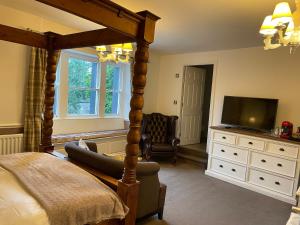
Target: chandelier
[282,28]
[115,53]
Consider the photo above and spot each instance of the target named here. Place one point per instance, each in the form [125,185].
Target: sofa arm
[161,201]
[148,201]
[147,168]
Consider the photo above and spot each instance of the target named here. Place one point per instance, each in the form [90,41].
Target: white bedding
[17,206]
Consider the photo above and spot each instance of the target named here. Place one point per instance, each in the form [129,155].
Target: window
[83,87]
[87,88]
[112,92]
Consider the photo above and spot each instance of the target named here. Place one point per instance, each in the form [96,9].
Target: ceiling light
[115,53]
[282,28]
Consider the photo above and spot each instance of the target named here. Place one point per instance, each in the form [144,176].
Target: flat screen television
[251,113]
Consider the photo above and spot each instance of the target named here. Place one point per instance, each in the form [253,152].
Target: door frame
[212,99]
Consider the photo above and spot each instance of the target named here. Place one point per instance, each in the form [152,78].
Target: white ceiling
[186,26]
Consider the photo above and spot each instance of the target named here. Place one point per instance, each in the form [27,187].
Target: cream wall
[242,72]
[151,94]
[14,63]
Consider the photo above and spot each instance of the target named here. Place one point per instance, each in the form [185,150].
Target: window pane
[82,102]
[112,89]
[82,73]
[55,106]
[83,87]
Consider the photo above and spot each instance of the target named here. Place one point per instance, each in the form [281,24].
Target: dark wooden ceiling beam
[24,37]
[91,38]
[102,12]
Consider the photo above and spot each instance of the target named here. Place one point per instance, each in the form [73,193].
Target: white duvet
[17,206]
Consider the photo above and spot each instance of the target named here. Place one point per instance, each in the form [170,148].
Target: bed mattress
[17,206]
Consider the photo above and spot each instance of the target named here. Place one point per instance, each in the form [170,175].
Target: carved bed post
[136,114]
[128,189]
[46,142]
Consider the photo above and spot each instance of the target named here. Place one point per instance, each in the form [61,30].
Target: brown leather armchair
[158,136]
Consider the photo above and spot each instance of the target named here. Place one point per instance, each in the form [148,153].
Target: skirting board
[252,187]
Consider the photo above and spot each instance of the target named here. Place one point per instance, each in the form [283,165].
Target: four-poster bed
[122,26]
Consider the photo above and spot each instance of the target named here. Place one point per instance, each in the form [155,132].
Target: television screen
[254,113]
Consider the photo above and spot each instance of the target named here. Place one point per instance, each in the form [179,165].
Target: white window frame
[64,83]
[62,87]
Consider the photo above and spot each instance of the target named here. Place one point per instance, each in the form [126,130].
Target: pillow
[83,145]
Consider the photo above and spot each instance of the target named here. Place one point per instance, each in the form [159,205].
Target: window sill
[63,138]
[88,118]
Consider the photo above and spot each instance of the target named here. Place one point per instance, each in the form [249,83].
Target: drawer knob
[250,143]
[235,154]
[221,166]
[277,183]
[224,137]
[263,160]
[233,170]
[281,149]
[222,150]
[279,164]
[261,178]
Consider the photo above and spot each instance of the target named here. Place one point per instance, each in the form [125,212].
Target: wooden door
[192,101]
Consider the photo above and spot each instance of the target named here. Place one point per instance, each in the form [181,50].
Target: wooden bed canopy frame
[122,26]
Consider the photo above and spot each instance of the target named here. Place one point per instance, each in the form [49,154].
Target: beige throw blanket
[69,195]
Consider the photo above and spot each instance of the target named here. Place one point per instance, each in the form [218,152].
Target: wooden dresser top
[258,134]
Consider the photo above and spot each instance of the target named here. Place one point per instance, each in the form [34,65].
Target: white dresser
[255,161]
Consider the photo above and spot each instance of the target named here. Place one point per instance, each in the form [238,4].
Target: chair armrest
[175,142]
[146,138]
[145,144]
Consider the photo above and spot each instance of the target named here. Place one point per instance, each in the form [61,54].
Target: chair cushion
[162,148]
[157,128]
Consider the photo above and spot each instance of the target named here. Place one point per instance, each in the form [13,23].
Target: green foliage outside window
[82,87]
[110,90]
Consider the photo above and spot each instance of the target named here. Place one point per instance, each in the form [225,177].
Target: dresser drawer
[284,150]
[229,169]
[224,138]
[272,182]
[251,143]
[273,164]
[231,153]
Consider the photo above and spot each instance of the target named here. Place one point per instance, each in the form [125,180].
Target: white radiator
[12,143]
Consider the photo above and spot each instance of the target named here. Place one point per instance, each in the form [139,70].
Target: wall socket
[175,102]
[177,75]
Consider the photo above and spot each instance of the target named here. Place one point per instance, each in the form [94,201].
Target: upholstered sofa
[151,194]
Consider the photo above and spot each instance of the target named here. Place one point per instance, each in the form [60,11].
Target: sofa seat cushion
[162,148]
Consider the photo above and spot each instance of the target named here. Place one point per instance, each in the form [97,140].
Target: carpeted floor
[196,199]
